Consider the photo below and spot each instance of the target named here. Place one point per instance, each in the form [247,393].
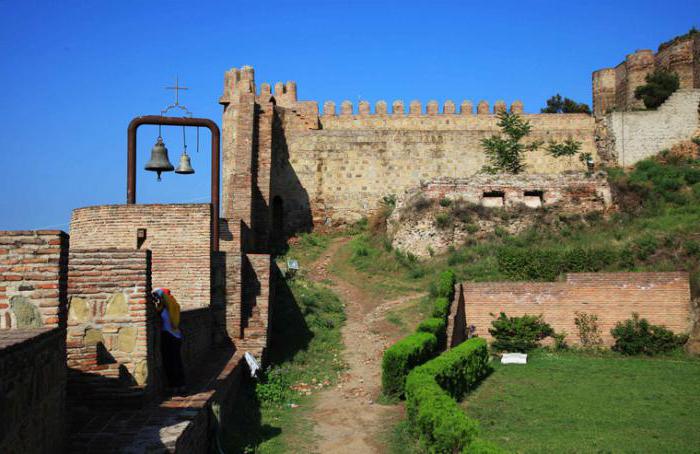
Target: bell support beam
[215,158]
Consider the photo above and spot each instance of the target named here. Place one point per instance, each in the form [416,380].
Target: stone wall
[662,298]
[287,165]
[32,390]
[613,88]
[178,236]
[348,165]
[457,319]
[33,278]
[638,135]
[111,323]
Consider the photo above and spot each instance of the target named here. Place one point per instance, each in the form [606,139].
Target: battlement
[415,108]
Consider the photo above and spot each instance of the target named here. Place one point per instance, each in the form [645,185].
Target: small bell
[159,159]
[185,167]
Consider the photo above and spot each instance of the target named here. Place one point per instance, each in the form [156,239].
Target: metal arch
[215,157]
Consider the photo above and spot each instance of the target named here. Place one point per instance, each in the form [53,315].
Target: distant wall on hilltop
[613,88]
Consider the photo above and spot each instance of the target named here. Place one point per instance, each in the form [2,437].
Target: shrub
[441,425]
[568,148]
[274,387]
[437,326]
[445,202]
[441,309]
[635,336]
[588,330]
[403,356]
[519,334]
[645,246]
[660,84]
[443,221]
[560,340]
[505,153]
[446,284]
[472,228]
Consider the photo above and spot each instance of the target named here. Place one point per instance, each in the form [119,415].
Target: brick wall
[178,235]
[32,390]
[33,278]
[110,320]
[197,326]
[457,319]
[662,298]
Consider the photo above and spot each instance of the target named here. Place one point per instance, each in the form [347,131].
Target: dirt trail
[347,418]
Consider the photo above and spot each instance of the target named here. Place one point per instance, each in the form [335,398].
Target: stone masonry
[613,88]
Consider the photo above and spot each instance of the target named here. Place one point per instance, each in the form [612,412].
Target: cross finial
[177,89]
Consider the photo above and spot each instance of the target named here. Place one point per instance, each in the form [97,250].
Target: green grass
[304,357]
[574,402]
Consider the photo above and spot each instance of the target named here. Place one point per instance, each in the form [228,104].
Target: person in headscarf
[170,339]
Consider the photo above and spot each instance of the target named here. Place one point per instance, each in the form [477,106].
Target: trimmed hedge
[435,326]
[446,284]
[416,349]
[403,356]
[441,309]
[441,424]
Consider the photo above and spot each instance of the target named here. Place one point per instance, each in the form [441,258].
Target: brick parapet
[178,235]
[33,390]
[662,298]
[33,278]
[111,322]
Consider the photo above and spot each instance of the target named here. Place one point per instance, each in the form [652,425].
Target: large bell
[159,159]
[185,166]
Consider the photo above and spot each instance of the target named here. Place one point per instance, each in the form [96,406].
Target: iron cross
[177,89]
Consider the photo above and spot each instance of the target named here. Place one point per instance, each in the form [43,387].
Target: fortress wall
[178,235]
[348,165]
[661,298]
[642,134]
[33,390]
[33,278]
[681,57]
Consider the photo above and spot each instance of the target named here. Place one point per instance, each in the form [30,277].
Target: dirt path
[347,419]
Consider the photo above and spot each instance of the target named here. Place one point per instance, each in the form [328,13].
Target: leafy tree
[505,153]
[660,85]
[569,148]
[556,104]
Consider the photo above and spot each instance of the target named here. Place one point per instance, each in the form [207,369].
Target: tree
[505,153]
[556,104]
[660,85]
[569,148]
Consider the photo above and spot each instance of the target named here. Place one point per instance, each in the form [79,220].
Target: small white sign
[514,358]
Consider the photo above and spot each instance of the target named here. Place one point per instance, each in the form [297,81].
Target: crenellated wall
[334,167]
[613,88]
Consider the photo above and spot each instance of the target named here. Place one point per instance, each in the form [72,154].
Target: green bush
[446,284]
[441,425]
[441,307]
[403,356]
[519,334]
[546,264]
[443,220]
[445,202]
[635,336]
[435,326]
[660,84]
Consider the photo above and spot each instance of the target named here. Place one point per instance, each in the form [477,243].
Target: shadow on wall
[289,335]
[288,195]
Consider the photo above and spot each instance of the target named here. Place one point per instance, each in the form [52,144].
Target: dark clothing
[172,359]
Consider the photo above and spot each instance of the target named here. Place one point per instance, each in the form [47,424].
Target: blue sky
[74,73]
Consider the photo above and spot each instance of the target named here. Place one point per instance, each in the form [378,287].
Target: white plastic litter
[514,358]
[252,363]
